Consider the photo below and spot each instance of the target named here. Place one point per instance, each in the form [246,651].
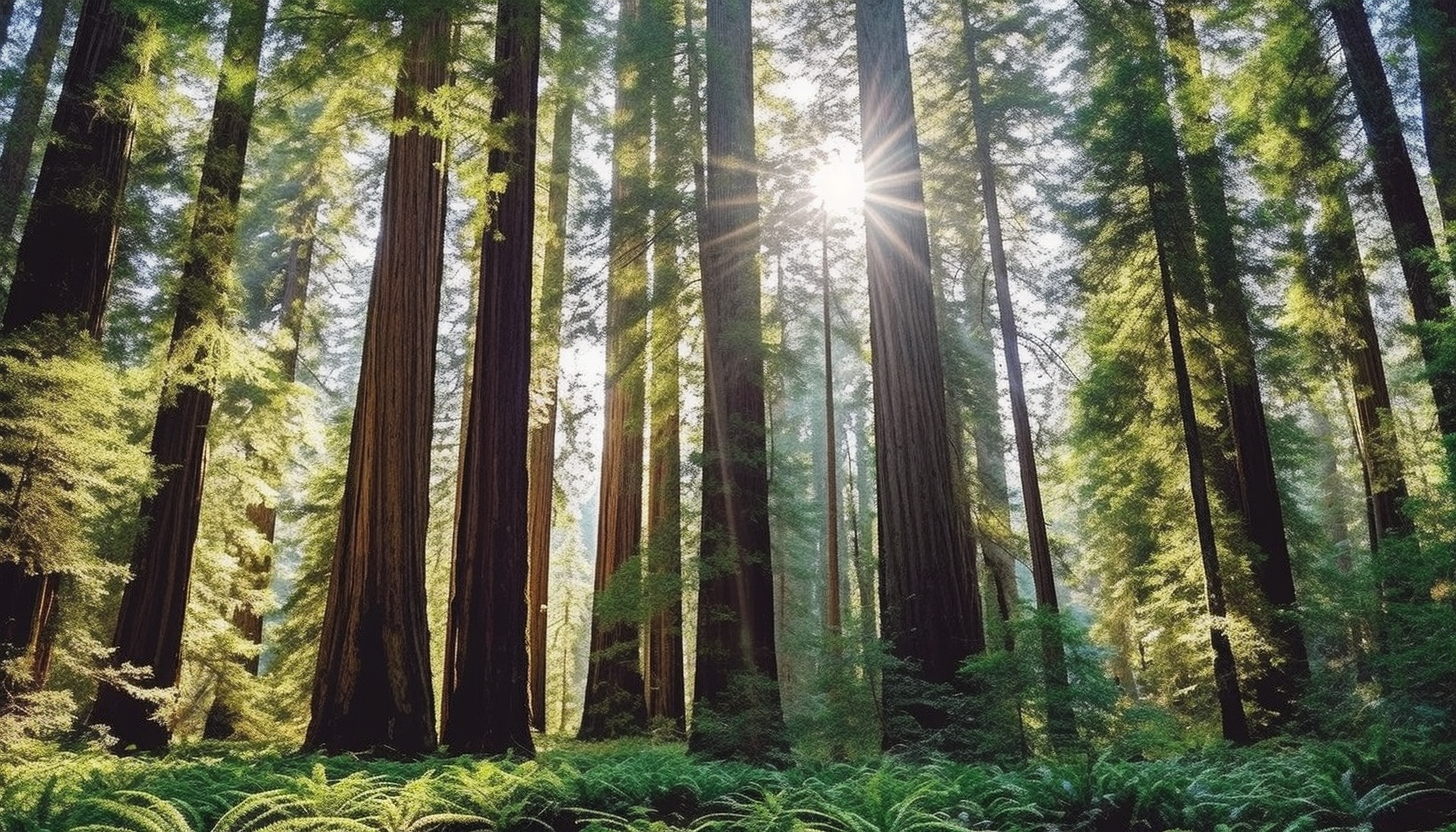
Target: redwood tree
[736,708]
[486,704]
[372,688]
[25,116]
[67,251]
[929,605]
[154,603]
[615,702]
[1410,226]
[546,359]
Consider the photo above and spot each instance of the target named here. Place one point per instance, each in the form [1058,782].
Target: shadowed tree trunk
[929,605]
[154,603]
[615,702]
[1409,224]
[1225,674]
[25,116]
[64,263]
[546,365]
[1279,685]
[1434,24]
[1061,722]
[372,687]
[485,652]
[736,707]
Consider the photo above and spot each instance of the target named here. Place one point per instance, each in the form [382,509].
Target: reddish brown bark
[154,603]
[372,687]
[929,605]
[736,666]
[486,702]
[615,702]
[546,361]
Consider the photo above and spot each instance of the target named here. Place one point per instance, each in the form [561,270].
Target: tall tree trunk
[1434,24]
[833,616]
[929,605]
[663,653]
[546,363]
[1225,672]
[485,653]
[154,603]
[1409,224]
[737,665]
[1279,685]
[25,117]
[372,685]
[615,702]
[1061,722]
[64,262]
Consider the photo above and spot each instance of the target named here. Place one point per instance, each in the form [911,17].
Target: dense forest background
[973,382]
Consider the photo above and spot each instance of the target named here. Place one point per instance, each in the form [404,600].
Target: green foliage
[638,786]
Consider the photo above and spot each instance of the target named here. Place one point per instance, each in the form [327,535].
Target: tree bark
[154,603]
[929,604]
[25,117]
[1409,224]
[1061,722]
[1225,673]
[1278,686]
[546,366]
[1434,24]
[737,665]
[615,697]
[485,653]
[372,687]
[663,653]
[67,250]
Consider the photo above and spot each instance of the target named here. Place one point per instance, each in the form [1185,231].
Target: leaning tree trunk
[154,603]
[1409,224]
[929,605]
[372,685]
[546,367]
[25,116]
[615,702]
[1434,24]
[1278,686]
[485,652]
[64,263]
[1061,722]
[736,707]
[1225,673]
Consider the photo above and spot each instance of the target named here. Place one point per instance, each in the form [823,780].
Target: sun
[839,184]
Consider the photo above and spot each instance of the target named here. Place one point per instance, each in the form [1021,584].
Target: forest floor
[657,787]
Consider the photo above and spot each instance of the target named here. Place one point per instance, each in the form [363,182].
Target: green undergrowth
[659,788]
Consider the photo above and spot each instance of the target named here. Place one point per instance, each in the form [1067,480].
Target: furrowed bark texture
[1434,25]
[25,116]
[663,653]
[486,697]
[1279,685]
[546,367]
[615,702]
[1409,224]
[737,666]
[372,688]
[68,247]
[154,603]
[929,604]
[64,262]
